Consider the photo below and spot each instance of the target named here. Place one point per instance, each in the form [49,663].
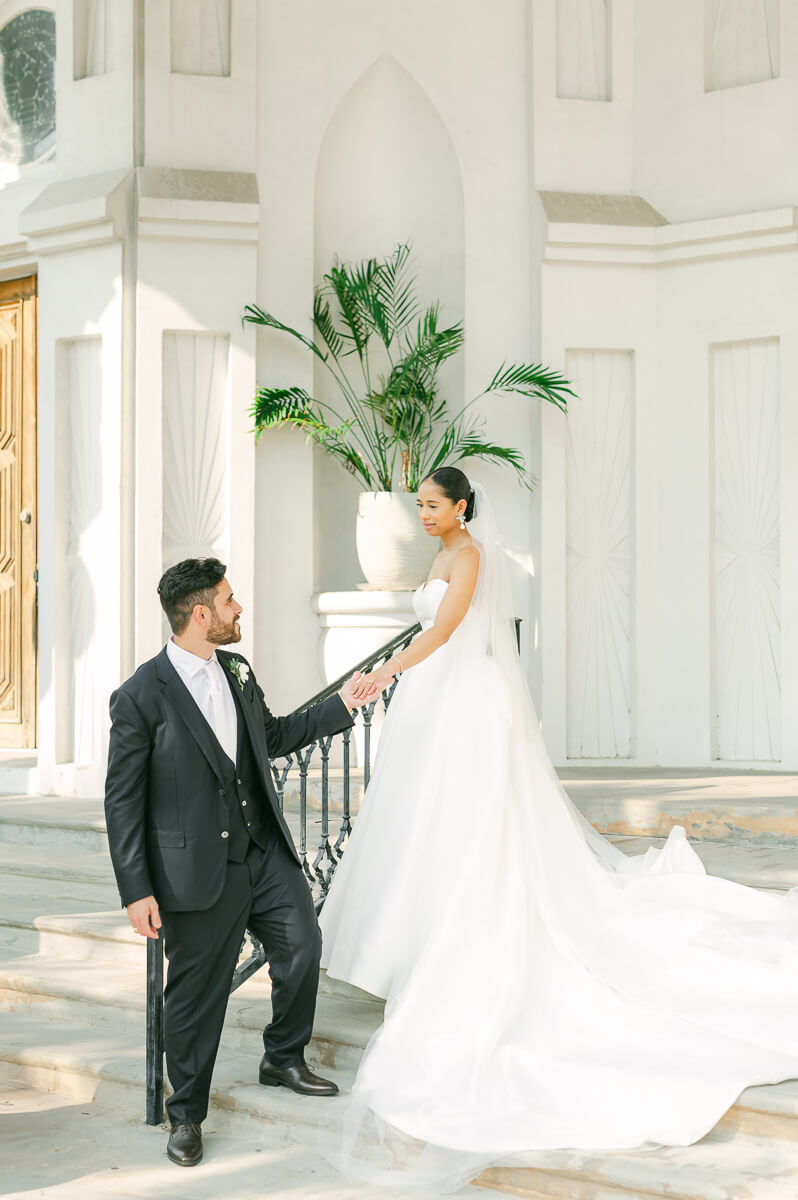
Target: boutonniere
[240,670]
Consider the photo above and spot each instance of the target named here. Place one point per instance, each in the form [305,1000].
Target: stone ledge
[199,205]
[667,245]
[589,208]
[76,213]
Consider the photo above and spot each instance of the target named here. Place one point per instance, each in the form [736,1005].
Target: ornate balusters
[368,713]
[304,763]
[325,850]
[254,963]
[346,824]
[280,774]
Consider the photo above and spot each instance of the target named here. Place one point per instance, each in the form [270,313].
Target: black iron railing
[319,870]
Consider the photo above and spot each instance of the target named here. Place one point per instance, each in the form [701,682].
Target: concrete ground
[51,1146]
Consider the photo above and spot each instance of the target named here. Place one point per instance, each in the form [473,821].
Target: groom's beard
[221,634]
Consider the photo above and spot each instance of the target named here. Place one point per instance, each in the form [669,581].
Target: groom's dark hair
[192,581]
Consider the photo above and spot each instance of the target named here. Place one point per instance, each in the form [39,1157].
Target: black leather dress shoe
[185,1144]
[298,1078]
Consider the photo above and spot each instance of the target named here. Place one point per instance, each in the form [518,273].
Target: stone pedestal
[354,624]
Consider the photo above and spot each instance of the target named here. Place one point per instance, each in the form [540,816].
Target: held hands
[348,692]
[378,680]
[361,688]
[144,916]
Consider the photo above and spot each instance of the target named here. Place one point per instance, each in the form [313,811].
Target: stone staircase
[72,990]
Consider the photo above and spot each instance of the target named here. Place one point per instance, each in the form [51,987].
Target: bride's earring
[461,519]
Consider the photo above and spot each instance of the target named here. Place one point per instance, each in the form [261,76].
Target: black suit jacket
[164,806]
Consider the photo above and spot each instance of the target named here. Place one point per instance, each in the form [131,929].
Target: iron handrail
[385,652]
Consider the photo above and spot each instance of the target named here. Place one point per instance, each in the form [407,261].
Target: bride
[543,990]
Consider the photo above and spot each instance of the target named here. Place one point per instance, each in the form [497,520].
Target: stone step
[102,940]
[50,823]
[111,998]
[66,919]
[65,823]
[66,994]
[712,1169]
[758,808]
[20,861]
[87,1063]
[754,808]
[772,868]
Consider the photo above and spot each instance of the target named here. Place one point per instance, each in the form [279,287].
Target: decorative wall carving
[746,555]
[86,549]
[600,554]
[583,50]
[741,42]
[200,37]
[195,441]
[91,38]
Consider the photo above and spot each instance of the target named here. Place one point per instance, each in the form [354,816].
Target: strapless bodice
[427,598]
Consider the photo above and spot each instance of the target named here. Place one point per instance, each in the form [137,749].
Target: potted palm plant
[389,425]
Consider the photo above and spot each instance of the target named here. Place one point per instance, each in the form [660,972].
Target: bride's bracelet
[395,658]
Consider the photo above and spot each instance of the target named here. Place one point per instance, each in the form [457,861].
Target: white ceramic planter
[393,550]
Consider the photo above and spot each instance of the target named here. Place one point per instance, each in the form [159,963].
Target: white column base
[355,624]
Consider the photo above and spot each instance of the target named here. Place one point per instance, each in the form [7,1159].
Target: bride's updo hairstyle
[455,486]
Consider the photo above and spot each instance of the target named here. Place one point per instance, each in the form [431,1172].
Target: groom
[200,847]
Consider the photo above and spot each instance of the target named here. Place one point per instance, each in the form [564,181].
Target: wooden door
[18,524]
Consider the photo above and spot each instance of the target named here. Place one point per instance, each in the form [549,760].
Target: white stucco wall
[672,299]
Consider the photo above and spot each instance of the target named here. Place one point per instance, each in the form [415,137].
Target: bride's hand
[348,692]
[369,686]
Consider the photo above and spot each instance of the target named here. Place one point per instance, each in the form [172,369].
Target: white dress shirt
[204,678]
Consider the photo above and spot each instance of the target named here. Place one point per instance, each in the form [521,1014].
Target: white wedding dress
[543,989]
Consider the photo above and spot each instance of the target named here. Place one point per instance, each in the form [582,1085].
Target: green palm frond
[432,345]
[374,297]
[533,380]
[460,440]
[473,445]
[293,406]
[276,406]
[323,321]
[395,292]
[425,351]
[351,287]
[258,316]
[335,441]
[407,416]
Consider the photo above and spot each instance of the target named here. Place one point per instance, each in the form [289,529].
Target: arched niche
[387,172]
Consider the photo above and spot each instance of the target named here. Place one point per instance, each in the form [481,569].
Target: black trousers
[268,894]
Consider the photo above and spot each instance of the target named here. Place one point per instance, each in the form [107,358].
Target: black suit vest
[249,814]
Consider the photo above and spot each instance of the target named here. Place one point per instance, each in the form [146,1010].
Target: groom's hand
[349,692]
[144,916]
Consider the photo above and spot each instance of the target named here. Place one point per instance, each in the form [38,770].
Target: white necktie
[223,713]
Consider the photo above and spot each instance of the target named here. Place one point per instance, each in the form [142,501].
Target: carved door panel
[18,523]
